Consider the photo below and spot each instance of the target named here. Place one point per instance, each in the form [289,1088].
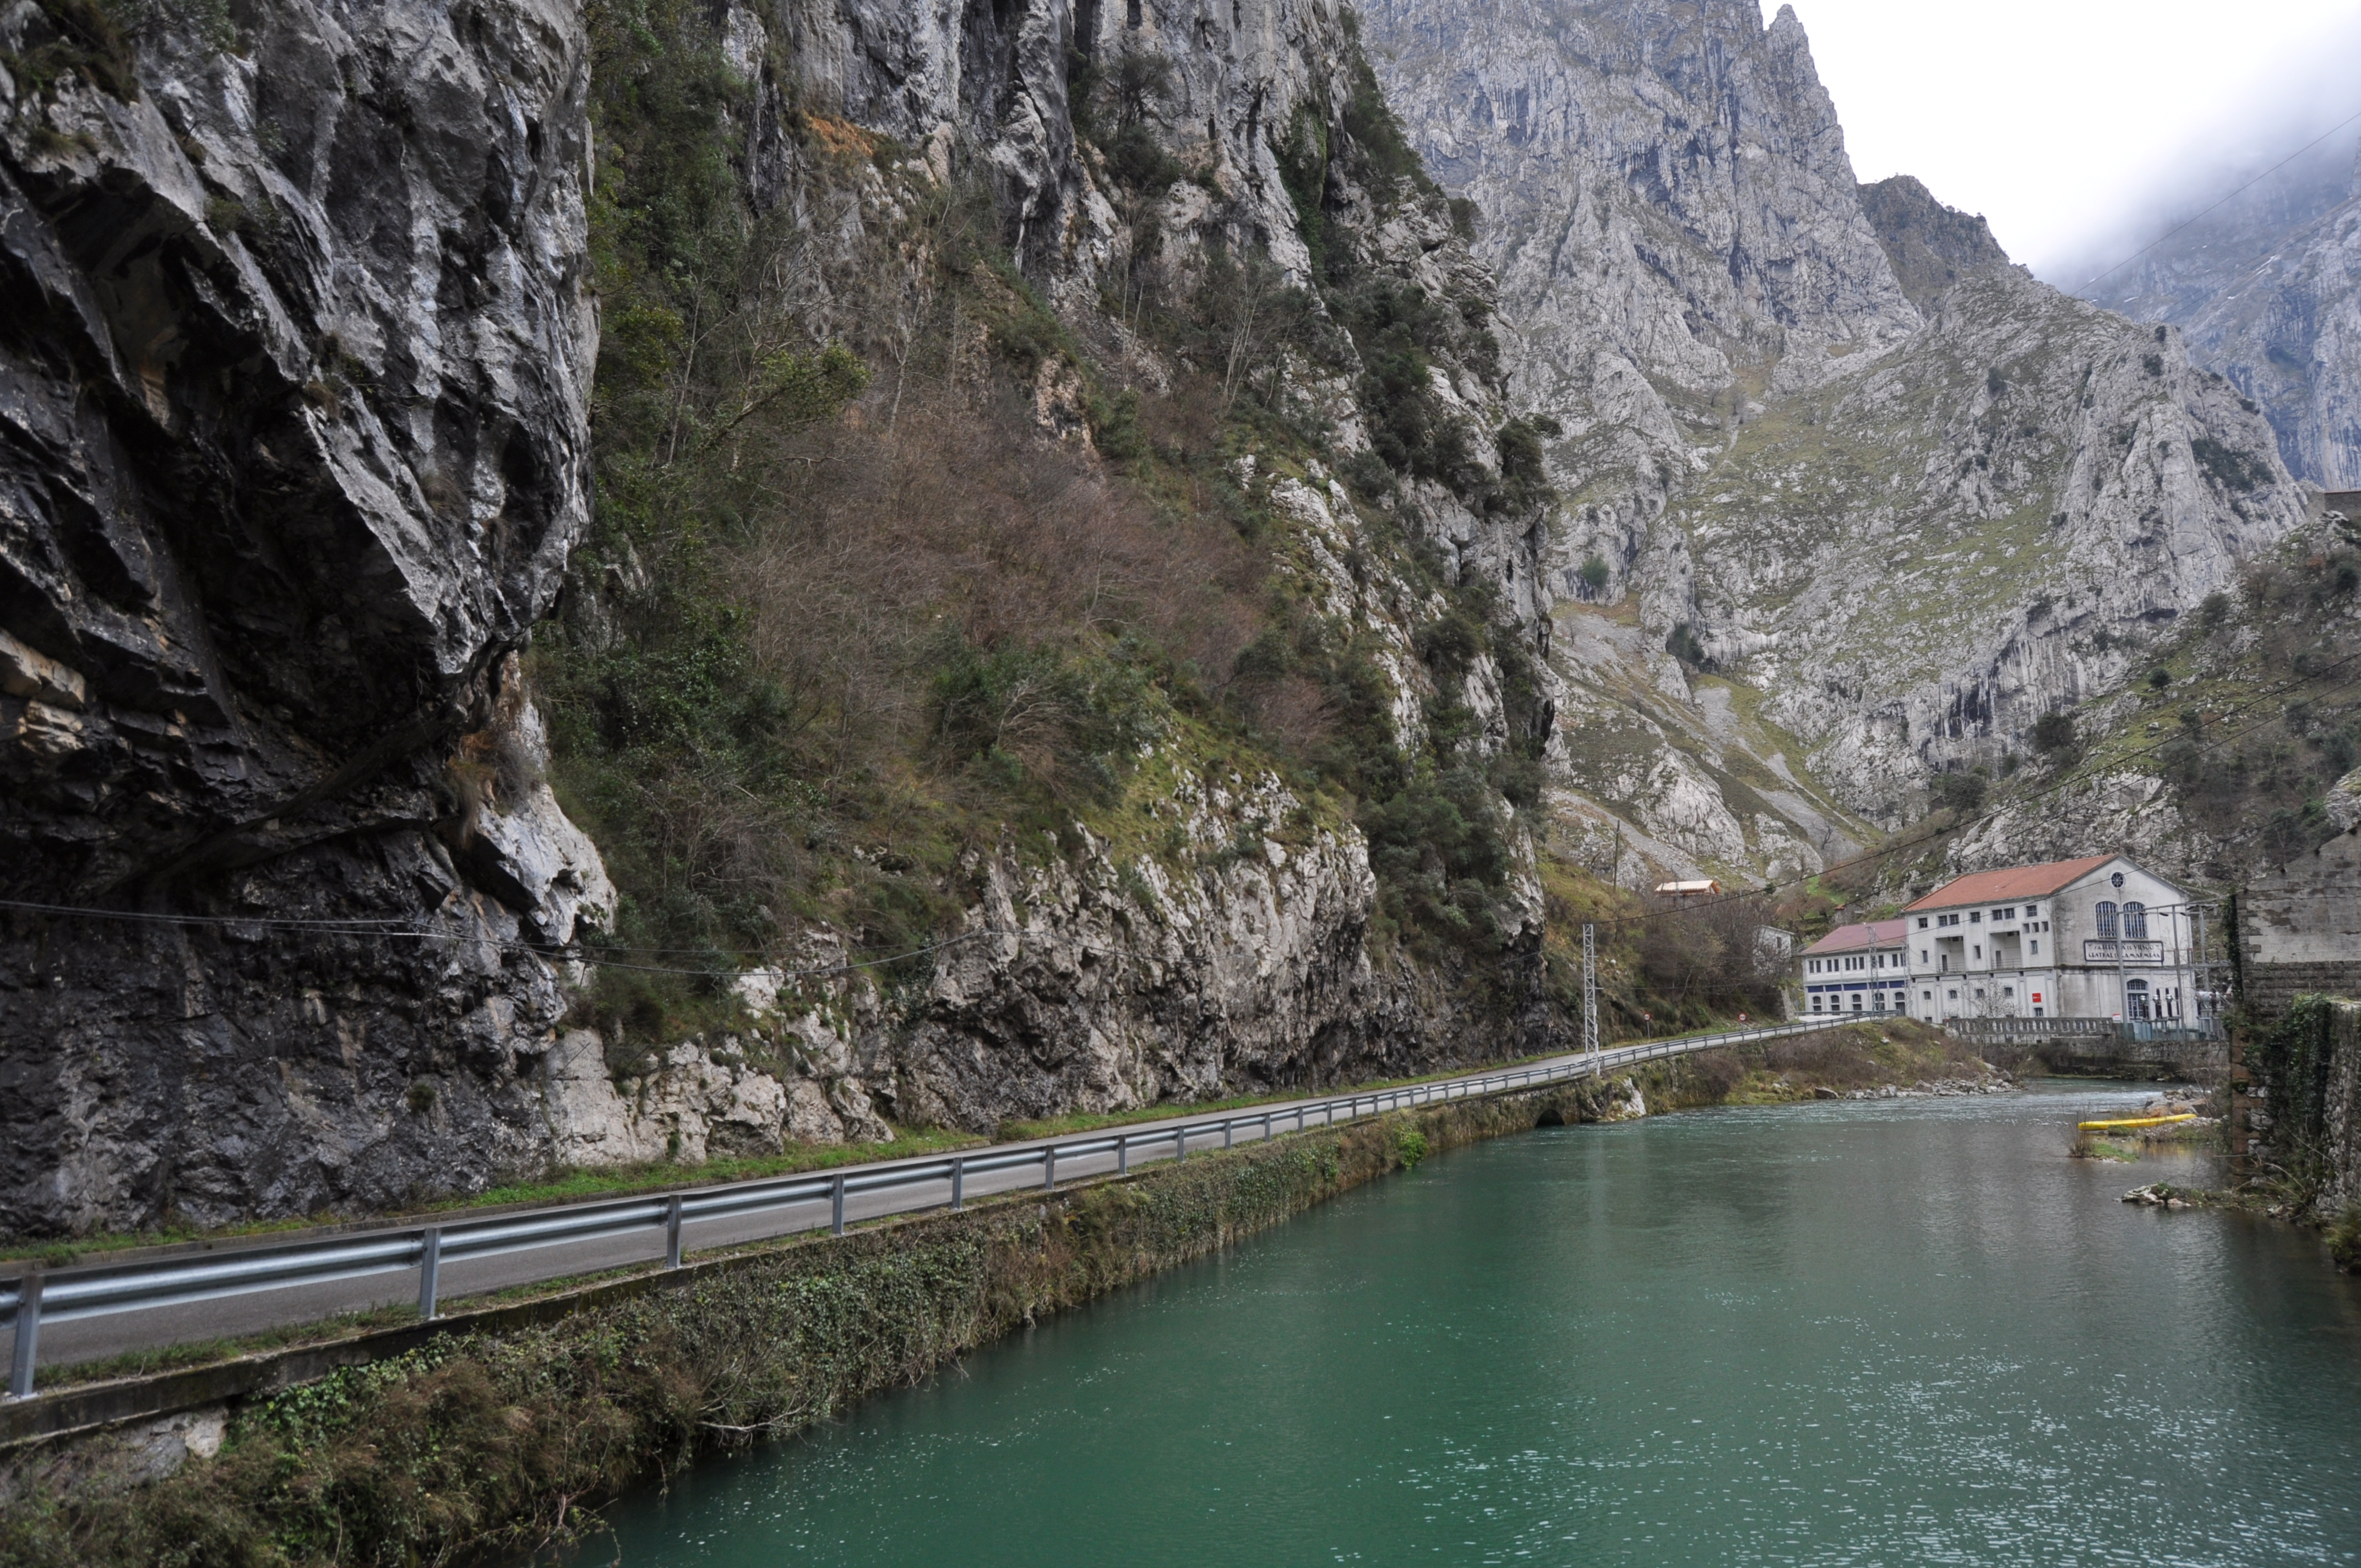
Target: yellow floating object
[2140,1122]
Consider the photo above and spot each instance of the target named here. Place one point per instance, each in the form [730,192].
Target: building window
[1816,1003]
[1922,922]
[2135,999]
[2106,914]
[2134,922]
[1980,952]
[1926,996]
[2031,910]
[1975,917]
[2008,990]
[1952,995]
[1856,1001]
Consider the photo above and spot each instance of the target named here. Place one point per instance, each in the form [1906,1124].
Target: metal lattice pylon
[1589,988]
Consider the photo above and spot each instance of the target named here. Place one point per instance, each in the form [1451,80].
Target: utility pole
[2123,995]
[1590,992]
[2201,964]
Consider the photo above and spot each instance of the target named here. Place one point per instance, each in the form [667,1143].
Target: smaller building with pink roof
[1863,969]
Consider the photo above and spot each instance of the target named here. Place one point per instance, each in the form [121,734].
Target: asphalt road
[64,1340]
[90,1338]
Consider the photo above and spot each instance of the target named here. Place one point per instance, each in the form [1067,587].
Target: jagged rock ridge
[1890,498]
[2266,289]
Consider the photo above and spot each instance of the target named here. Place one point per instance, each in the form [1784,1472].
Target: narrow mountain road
[201,1291]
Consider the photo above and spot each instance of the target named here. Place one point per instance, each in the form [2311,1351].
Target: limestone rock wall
[295,434]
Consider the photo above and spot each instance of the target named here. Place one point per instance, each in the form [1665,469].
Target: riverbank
[490,1442]
[1890,1057]
[1856,1332]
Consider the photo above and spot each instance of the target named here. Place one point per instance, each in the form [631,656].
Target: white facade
[2094,939]
[1860,968]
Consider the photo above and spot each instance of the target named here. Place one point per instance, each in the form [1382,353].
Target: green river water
[1888,1332]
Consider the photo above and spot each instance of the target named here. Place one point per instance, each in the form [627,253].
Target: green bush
[1962,794]
[2345,1240]
[2053,733]
[1683,643]
[2231,469]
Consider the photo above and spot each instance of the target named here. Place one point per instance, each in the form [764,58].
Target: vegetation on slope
[847,616]
[2249,713]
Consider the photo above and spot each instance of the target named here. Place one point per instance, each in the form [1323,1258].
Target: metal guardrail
[61,1296]
[2144,1029]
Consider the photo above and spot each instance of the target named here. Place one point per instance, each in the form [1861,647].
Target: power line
[356,925]
[364,927]
[846,967]
[2095,770]
[2241,191]
[569,953]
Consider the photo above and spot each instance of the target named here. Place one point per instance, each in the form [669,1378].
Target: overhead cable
[2241,191]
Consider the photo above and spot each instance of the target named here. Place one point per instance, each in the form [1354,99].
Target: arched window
[2134,922]
[2135,1003]
[2106,913]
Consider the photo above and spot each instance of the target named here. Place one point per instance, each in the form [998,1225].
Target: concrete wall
[2299,927]
[2335,1134]
[2344,1119]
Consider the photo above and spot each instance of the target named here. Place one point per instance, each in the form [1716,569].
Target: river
[1894,1332]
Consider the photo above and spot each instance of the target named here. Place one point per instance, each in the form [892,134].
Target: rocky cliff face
[2267,291]
[1851,501]
[1091,975]
[297,425]
[296,422]
[1988,523]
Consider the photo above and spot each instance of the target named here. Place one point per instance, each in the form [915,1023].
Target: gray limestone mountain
[2266,286]
[297,449]
[1851,500]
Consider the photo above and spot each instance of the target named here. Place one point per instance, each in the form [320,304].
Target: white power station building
[2097,938]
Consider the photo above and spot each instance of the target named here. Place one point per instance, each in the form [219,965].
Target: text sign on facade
[2100,950]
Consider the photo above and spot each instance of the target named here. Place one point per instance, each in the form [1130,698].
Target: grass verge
[485,1444]
[620,1181]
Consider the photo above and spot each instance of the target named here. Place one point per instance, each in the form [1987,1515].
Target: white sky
[2072,124]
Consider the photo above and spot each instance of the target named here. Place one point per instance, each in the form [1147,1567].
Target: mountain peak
[1930,246]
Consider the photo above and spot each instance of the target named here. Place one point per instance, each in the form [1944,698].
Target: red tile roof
[2016,881]
[1869,934]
